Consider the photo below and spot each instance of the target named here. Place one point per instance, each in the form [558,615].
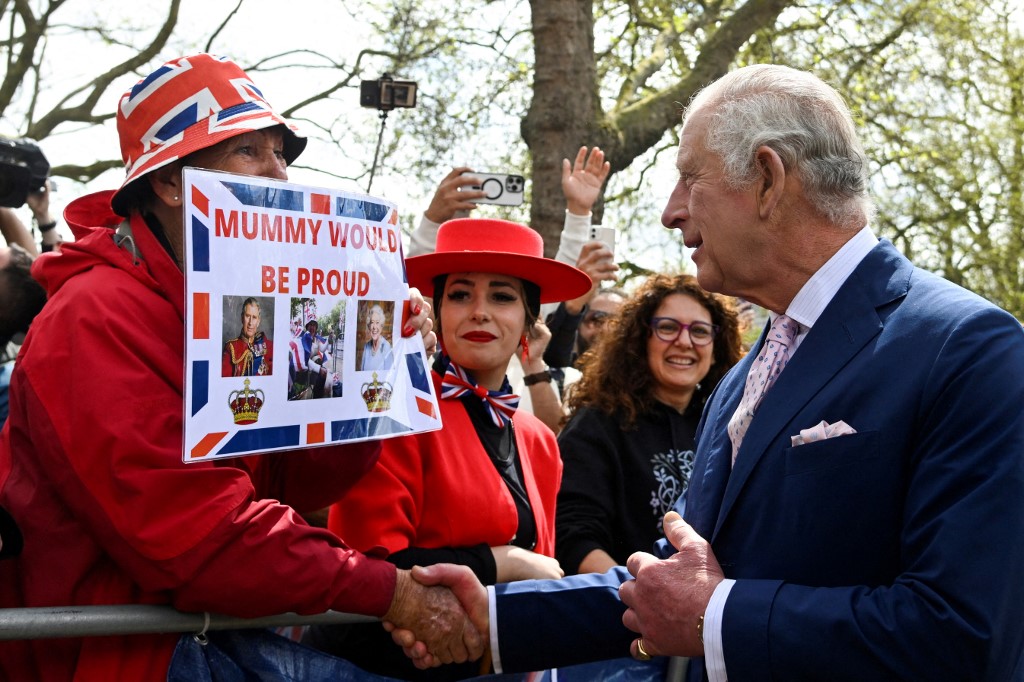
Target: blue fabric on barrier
[262,656]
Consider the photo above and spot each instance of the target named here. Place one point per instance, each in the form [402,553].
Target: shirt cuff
[714,654]
[492,616]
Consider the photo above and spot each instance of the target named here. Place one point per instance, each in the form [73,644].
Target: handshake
[439,614]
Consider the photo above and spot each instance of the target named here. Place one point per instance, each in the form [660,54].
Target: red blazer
[440,489]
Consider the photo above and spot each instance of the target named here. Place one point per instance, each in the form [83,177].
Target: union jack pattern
[188,104]
[501,404]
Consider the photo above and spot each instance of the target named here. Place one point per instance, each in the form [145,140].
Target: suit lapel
[846,325]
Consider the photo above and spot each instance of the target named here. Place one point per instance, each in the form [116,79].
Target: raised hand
[539,336]
[451,196]
[668,597]
[582,180]
[433,617]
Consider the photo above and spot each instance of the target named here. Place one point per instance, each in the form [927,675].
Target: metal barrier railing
[134,619]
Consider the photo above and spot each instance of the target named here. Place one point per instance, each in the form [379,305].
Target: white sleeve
[575,233]
[424,238]
[492,610]
[714,654]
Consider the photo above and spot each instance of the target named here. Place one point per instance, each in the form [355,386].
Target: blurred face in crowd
[678,365]
[483,318]
[250,321]
[600,308]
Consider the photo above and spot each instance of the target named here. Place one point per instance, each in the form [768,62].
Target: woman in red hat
[481,491]
[91,459]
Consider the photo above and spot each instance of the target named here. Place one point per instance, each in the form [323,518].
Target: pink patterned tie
[767,367]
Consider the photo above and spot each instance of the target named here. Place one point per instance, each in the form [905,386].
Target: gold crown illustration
[246,404]
[376,394]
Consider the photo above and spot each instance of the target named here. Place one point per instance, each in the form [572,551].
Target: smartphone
[603,234]
[502,189]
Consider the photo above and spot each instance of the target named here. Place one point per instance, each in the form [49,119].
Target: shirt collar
[819,290]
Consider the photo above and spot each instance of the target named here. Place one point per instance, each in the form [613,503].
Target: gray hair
[804,120]
[375,308]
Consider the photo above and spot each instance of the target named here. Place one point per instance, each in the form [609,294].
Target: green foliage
[938,87]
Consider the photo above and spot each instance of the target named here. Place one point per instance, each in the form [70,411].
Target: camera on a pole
[386,94]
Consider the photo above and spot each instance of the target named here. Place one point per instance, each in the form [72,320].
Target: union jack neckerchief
[501,404]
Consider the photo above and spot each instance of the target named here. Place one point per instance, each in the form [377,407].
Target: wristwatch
[539,377]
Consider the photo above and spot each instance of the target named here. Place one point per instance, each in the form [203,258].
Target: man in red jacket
[91,457]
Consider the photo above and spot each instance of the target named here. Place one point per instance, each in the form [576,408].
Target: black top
[617,484]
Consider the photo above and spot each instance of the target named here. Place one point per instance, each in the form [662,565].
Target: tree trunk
[564,108]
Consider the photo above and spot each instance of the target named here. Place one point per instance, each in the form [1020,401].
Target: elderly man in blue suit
[856,509]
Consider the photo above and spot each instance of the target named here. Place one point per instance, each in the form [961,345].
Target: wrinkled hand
[582,180]
[451,196]
[539,336]
[433,619]
[667,598]
[470,594]
[598,261]
[416,317]
[516,563]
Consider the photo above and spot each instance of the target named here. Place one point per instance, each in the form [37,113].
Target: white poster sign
[295,299]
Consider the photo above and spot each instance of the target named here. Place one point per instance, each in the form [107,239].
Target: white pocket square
[821,431]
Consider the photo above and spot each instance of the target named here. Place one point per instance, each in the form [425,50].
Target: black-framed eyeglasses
[596,317]
[668,329]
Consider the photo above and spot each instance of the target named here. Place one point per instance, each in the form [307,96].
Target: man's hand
[451,196]
[582,180]
[432,618]
[667,598]
[470,594]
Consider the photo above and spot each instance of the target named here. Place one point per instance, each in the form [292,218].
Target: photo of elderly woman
[376,325]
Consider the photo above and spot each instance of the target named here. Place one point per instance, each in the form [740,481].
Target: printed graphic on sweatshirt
[672,471]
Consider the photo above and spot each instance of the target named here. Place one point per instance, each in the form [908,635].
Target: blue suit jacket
[896,552]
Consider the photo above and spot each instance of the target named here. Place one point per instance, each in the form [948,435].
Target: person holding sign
[92,452]
[480,492]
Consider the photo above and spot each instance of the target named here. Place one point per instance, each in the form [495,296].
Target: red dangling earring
[526,347]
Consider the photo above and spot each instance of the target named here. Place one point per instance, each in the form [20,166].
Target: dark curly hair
[616,375]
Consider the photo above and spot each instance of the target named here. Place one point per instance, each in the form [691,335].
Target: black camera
[386,93]
[23,170]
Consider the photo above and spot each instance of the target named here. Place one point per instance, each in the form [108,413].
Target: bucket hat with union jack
[188,104]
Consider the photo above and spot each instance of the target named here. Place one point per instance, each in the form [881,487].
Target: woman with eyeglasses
[628,447]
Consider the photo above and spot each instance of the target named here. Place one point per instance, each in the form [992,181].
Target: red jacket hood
[93,224]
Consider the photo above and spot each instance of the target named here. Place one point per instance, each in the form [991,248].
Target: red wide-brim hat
[498,246]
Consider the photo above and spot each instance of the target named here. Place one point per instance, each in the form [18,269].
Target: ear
[166,184]
[772,183]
